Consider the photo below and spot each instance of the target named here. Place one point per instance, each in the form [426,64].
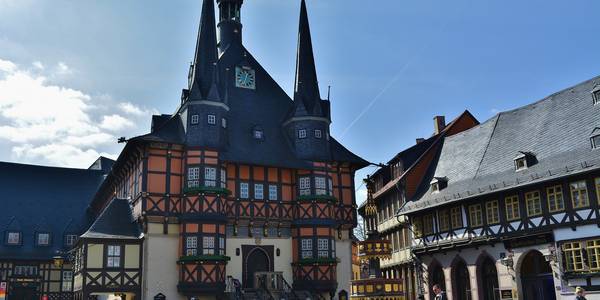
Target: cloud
[132,109]
[57,125]
[38,65]
[63,69]
[115,123]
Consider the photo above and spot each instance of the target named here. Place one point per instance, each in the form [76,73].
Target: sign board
[527,241]
[506,294]
[2,290]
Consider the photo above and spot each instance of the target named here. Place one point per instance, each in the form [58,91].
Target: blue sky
[75,75]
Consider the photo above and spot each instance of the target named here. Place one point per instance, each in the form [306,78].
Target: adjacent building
[509,208]
[240,181]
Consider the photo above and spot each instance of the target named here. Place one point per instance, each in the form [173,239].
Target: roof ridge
[46,167]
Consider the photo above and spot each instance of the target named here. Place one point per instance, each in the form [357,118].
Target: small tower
[308,122]
[203,109]
[230,23]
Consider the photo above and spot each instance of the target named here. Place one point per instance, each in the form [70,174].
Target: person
[579,293]
[439,294]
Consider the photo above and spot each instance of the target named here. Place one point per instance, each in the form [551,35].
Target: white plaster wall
[283,263]
[161,252]
[343,250]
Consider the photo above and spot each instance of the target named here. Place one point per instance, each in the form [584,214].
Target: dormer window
[596,94]
[438,184]
[258,134]
[212,119]
[70,239]
[595,138]
[524,160]
[13,238]
[302,133]
[42,239]
[318,133]
[195,119]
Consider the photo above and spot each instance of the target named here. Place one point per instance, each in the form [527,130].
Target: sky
[76,75]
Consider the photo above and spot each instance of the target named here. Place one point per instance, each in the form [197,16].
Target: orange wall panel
[347,196]
[193,160]
[286,193]
[175,187]
[209,228]
[211,153]
[306,231]
[191,228]
[272,174]
[176,165]
[323,231]
[346,180]
[156,183]
[244,172]
[211,161]
[259,173]
[157,163]
[286,176]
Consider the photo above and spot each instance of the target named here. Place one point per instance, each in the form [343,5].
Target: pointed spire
[205,59]
[306,88]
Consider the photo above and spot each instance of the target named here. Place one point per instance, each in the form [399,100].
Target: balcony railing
[377,288]
[375,249]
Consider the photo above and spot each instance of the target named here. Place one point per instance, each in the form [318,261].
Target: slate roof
[44,199]
[115,222]
[479,161]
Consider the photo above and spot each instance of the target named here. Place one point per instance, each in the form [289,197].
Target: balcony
[399,257]
[377,288]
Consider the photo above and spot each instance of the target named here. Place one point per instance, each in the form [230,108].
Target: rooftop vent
[420,140]
[438,184]
[524,160]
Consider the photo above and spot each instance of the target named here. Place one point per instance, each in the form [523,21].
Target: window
[26,271]
[435,186]
[520,163]
[193,177]
[210,176]
[330,183]
[456,217]
[304,186]
[318,133]
[195,119]
[534,204]
[323,247]
[475,215]
[272,192]
[555,198]
[418,227]
[492,212]
[593,251]
[113,256]
[212,119]
[70,239]
[191,246]
[595,141]
[208,245]
[512,208]
[258,191]
[596,96]
[13,238]
[223,122]
[43,239]
[221,246]
[306,246]
[320,186]
[444,220]
[223,178]
[67,281]
[573,256]
[428,224]
[244,190]
[258,134]
[579,195]
[302,133]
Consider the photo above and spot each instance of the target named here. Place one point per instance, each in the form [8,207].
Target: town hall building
[242,184]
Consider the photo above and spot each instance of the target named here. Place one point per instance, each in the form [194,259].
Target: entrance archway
[488,279]
[461,286]
[256,259]
[435,275]
[536,277]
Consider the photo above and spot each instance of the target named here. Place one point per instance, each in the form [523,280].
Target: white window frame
[320,185]
[323,248]
[113,256]
[208,245]
[67,281]
[302,133]
[211,119]
[14,238]
[330,184]
[595,140]
[273,195]
[71,239]
[193,173]
[244,190]
[223,178]
[304,186]
[195,119]
[210,176]
[191,246]
[221,246]
[259,191]
[42,239]
[318,133]
[306,248]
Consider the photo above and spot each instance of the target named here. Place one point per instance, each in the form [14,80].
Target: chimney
[420,140]
[439,123]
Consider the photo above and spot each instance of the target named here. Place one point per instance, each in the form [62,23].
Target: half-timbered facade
[510,207]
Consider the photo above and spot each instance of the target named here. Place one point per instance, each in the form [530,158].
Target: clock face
[245,78]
